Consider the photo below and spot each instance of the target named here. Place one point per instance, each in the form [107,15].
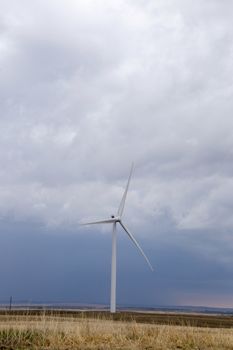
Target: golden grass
[61,333]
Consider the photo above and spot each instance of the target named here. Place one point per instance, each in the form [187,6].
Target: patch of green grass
[20,339]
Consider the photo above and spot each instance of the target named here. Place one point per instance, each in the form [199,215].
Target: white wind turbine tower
[114,221]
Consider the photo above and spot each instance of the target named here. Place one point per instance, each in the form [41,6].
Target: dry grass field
[56,332]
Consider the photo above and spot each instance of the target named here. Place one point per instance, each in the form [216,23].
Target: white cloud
[87,87]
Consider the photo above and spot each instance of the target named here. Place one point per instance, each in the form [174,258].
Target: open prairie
[96,330]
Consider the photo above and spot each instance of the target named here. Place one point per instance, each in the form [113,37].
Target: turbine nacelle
[116,218]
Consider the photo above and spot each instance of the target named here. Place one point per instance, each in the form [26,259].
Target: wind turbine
[114,220]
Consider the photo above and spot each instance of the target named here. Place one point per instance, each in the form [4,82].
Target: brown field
[98,330]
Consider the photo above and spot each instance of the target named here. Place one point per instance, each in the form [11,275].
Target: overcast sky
[87,87]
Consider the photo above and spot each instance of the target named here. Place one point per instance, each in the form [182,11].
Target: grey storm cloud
[88,87]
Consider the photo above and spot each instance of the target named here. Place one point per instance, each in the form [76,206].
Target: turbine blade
[137,245]
[122,203]
[107,221]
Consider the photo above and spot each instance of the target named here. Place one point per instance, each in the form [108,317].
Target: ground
[125,330]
